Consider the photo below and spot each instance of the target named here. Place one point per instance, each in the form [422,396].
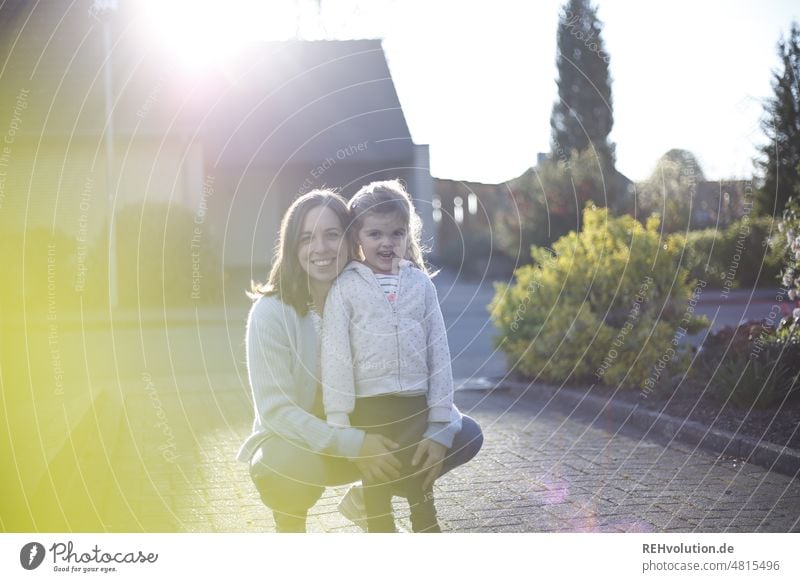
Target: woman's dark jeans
[291,478]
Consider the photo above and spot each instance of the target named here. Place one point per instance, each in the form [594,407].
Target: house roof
[289,102]
[307,101]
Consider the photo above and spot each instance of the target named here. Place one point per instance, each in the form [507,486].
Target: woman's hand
[375,460]
[432,455]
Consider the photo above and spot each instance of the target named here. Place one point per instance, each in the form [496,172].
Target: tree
[583,116]
[547,202]
[781,156]
[671,188]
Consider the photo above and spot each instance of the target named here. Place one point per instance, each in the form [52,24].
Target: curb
[780,459]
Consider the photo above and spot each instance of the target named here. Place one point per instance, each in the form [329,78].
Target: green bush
[670,189]
[47,271]
[608,304]
[750,365]
[165,258]
[732,257]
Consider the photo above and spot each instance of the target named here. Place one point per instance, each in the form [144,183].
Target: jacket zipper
[394,318]
[397,324]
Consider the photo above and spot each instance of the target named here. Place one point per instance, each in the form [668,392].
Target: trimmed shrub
[165,258]
[611,304]
[162,261]
[733,257]
[47,272]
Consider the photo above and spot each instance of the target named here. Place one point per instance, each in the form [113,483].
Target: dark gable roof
[306,101]
[290,101]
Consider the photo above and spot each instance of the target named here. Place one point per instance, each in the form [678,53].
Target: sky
[477,80]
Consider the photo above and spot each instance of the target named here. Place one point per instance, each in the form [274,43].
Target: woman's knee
[470,437]
[285,495]
[466,444]
[288,479]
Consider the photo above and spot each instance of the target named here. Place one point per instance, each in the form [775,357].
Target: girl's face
[322,248]
[384,241]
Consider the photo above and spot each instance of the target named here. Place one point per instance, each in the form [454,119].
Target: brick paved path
[539,471]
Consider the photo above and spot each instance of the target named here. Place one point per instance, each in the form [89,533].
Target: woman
[293,453]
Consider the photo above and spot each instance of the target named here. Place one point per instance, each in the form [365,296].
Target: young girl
[385,360]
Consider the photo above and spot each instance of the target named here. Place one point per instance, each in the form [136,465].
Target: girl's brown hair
[287,279]
[388,197]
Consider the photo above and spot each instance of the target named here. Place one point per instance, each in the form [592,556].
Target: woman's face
[322,248]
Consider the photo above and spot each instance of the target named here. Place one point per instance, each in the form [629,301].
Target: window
[458,209]
[437,208]
[472,203]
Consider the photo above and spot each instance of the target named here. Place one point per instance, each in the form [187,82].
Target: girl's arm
[269,366]
[440,383]
[338,386]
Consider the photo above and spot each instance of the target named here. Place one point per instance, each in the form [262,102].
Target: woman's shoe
[353,508]
[289,523]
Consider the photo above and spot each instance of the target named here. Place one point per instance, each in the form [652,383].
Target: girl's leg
[290,480]
[409,431]
[423,509]
[377,415]
[378,504]
[466,445]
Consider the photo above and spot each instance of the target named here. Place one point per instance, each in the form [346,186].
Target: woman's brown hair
[287,278]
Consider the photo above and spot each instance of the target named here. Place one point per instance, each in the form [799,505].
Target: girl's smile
[384,241]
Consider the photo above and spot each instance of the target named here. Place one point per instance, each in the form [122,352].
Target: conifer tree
[583,115]
[781,155]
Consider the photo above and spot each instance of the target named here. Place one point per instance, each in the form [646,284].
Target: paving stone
[540,470]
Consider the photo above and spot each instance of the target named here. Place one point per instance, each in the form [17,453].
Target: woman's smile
[322,262]
[322,251]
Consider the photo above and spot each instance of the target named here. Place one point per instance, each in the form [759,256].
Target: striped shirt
[389,284]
